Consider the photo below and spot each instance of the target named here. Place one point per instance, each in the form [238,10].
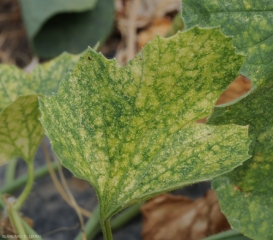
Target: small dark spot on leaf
[89,58]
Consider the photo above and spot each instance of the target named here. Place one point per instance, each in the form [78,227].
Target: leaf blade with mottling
[114,126]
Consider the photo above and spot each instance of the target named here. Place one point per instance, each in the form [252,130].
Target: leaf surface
[20,129]
[131,131]
[245,194]
[249,22]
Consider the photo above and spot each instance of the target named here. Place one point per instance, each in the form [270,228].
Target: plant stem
[228,235]
[19,202]
[29,230]
[10,171]
[16,220]
[124,217]
[2,204]
[92,227]
[39,173]
[106,229]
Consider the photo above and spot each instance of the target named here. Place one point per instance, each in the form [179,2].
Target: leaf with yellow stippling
[245,195]
[131,131]
[249,22]
[20,129]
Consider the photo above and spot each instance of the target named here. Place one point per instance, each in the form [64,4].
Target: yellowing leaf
[20,129]
[44,79]
[131,131]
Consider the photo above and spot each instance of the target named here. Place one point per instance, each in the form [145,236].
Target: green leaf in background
[55,26]
[20,129]
[38,12]
[249,22]
[131,131]
[177,25]
[245,194]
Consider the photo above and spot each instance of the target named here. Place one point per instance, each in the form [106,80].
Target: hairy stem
[106,229]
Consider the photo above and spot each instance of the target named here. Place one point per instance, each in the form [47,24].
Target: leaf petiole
[39,173]
[30,231]
[10,171]
[106,229]
[25,193]
[16,221]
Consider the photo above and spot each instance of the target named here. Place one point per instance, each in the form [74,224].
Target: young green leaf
[245,194]
[131,131]
[20,129]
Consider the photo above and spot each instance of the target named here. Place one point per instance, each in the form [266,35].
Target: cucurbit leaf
[245,193]
[249,22]
[131,131]
[20,129]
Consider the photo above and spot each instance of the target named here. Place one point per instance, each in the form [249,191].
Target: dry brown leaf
[159,27]
[146,12]
[169,217]
[6,227]
[237,88]
[240,86]
[14,48]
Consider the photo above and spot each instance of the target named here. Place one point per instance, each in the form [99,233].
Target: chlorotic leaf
[131,131]
[245,194]
[44,79]
[20,129]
